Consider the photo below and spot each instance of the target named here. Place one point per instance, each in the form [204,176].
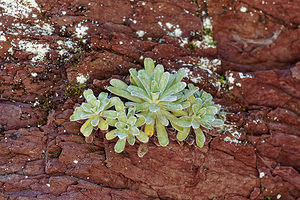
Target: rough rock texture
[50,51]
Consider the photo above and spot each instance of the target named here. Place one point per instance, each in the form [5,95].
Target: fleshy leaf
[95,121]
[175,89]
[143,137]
[123,93]
[162,118]
[182,135]
[131,139]
[162,134]
[164,81]
[132,120]
[149,129]
[149,66]
[118,83]
[120,145]
[140,121]
[119,106]
[111,135]
[110,114]
[154,108]
[87,128]
[111,121]
[103,124]
[200,137]
[217,122]
[102,95]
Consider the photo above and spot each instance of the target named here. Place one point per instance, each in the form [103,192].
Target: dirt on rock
[247,58]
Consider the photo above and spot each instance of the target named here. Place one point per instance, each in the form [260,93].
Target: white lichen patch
[34,74]
[232,80]
[80,30]
[231,140]
[40,28]
[172,30]
[207,23]
[243,9]
[261,174]
[140,33]
[2,36]
[18,8]
[81,79]
[39,50]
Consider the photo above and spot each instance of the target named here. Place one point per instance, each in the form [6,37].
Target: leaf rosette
[202,112]
[126,128]
[155,94]
[95,110]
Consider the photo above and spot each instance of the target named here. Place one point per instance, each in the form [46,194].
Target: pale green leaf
[171,106]
[145,80]
[177,87]
[138,92]
[133,77]
[89,95]
[132,120]
[182,135]
[120,145]
[130,139]
[103,124]
[122,117]
[122,134]
[217,122]
[95,121]
[123,93]
[143,106]
[164,81]
[154,108]
[120,125]
[212,110]
[118,84]
[175,120]
[200,137]
[162,118]
[102,95]
[143,137]
[77,114]
[119,106]
[195,124]
[149,117]
[111,121]
[111,135]
[110,114]
[162,134]
[86,128]
[134,131]
[158,71]
[179,113]
[149,66]
[140,121]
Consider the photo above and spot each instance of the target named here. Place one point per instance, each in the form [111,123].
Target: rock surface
[50,51]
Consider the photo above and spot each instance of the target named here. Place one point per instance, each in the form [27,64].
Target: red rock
[288,174]
[19,115]
[250,38]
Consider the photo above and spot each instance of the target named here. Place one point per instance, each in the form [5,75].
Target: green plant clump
[156,100]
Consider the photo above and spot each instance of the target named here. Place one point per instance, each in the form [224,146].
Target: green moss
[267,197]
[54,154]
[73,89]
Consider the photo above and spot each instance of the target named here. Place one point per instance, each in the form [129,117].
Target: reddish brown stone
[256,35]
[19,115]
